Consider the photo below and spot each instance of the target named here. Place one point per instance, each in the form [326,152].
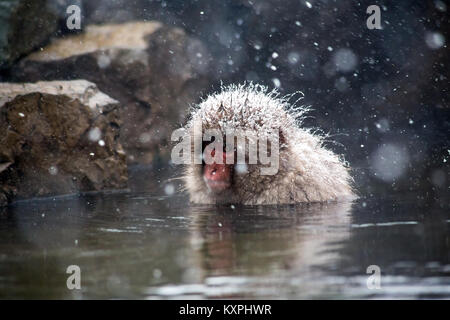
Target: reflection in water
[262,251]
[140,246]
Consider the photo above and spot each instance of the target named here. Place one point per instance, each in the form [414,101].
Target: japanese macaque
[258,153]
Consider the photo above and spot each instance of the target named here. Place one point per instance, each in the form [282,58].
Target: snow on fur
[308,172]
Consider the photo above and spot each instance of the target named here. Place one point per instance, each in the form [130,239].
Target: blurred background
[93,108]
[382,95]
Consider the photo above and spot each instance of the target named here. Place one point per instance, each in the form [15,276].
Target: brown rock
[56,138]
[154,71]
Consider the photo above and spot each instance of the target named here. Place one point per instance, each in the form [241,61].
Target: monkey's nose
[217,177]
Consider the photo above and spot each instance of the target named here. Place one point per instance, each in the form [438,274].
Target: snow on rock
[154,71]
[49,150]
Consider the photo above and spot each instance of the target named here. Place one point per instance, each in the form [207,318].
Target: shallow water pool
[137,245]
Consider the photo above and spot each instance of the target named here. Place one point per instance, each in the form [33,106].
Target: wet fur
[308,172]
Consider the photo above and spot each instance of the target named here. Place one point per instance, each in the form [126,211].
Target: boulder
[24,25]
[155,72]
[58,137]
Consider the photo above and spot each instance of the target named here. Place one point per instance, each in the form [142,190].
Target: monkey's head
[240,138]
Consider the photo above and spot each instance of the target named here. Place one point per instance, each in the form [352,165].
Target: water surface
[138,245]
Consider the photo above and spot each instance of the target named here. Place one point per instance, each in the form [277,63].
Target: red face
[218,176]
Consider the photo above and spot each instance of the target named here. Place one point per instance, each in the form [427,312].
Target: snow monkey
[247,147]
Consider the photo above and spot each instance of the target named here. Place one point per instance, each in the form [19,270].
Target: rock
[58,137]
[153,70]
[24,25]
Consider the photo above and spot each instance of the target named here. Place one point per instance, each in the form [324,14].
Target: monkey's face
[226,170]
[217,175]
[238,161]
